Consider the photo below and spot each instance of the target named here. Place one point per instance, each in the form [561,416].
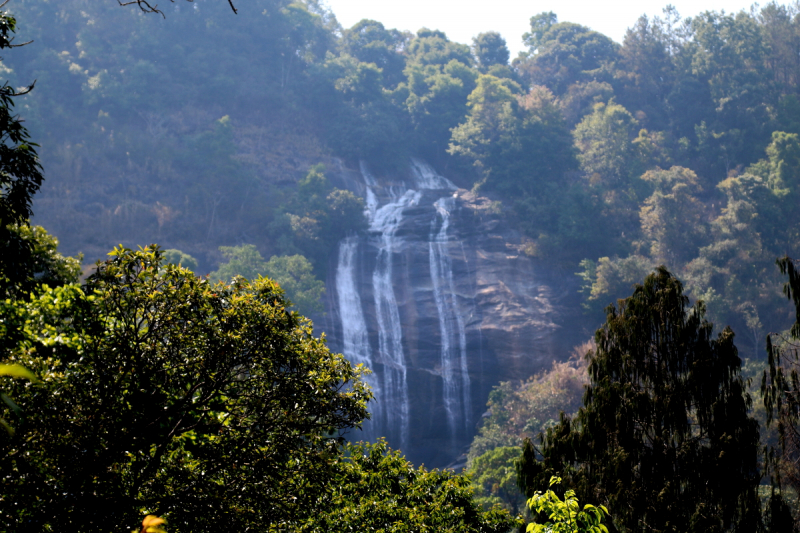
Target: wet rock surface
[440,300]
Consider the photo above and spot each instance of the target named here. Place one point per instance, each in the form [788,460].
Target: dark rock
[505,315]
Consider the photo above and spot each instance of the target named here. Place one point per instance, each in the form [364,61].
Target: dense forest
[671,161]
[677,147]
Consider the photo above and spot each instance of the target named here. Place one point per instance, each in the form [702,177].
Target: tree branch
[147,7]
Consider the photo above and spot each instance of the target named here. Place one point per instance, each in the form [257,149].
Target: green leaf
[18,371]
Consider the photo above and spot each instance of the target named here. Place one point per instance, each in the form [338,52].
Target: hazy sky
[461,20]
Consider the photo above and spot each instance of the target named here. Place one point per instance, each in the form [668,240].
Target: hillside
[203,129]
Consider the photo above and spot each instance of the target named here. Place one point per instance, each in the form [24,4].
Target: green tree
[646,71]
[432,47]
[370,42]
[437,101]
[492,124]
[729,53]
[520,144]
[565,53]
[605,140]
[673,219]
[490,49]
[177,257]
[494,479]
[244,261]
[20,178]
[540,24]
[294,274]
[42,264]
[784,163]
[377,489]
[360,119]
[734,272]
[664,438]
[316,218]
[610,278]
[609,160]
[205,404]
[774,197]
[565,516]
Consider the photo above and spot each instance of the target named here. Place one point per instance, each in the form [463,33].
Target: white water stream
[455,375]
[391,408]
[354,327]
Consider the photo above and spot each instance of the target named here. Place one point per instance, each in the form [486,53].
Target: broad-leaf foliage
[208,404]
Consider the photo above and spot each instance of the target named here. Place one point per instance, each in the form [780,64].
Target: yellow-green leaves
[17,371]
[14,371]
[564,515]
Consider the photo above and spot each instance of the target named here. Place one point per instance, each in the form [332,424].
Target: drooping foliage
[781,387]
[664,438]
[20,178]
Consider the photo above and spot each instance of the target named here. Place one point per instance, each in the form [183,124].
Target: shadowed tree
[20,178]
[664,438]
[780,386]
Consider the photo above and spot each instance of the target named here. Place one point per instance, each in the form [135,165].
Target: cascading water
[427,178]
[439,299]
[354,326]
[394,390]
[372,320]
[455,375]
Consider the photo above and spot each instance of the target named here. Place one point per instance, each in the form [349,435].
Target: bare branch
[17,45]
[146,7]
[26,90]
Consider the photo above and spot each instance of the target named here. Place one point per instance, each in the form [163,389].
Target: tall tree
[645,72]
[209,403]
[672,217]
[564,54]
[605,140]
[540,23]
[780,386]
[490,49]
[520,143]
[370,42]
[20,178]
[664,438]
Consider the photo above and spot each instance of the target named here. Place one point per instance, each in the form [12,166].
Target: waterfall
[455,375]
[427,178]
[387,209]
[355,339]
[390,410]
[371,199]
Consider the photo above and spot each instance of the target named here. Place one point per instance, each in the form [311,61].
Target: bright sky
[461,20]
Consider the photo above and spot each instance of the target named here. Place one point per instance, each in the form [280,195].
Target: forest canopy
[580,138]
[676,150]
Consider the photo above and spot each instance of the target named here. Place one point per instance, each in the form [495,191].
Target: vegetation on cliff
[215,404]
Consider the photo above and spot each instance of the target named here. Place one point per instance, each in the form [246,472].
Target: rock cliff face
[440,301]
